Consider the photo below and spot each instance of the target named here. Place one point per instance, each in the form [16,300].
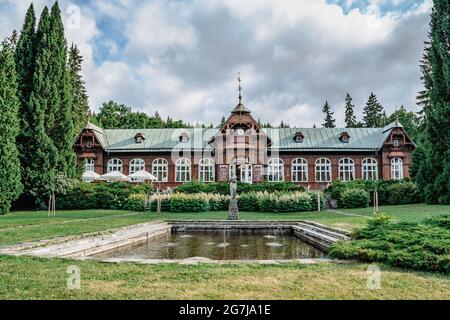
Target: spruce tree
[350,118]
[63,133]
[10,175]
[433,176]
[374,116]
[330,122]
[425,68]
[80,110]
[25,64]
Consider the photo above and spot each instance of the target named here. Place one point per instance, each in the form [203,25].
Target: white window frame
[369,169]
[160,169]
[299,170]
[183,170]
[136,165]
[89,165]
[323,170]
[115,165]
[207,170]
[397,168]
[275,170]
[346,169]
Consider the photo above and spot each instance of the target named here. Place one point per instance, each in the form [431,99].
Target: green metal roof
[315,139]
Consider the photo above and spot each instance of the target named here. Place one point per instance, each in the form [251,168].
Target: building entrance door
[246,173]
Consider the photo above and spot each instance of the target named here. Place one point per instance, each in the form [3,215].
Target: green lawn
[35,278]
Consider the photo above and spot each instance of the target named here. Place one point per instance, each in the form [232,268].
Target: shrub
[218,202]
[136,202]
[379,219]
[355,198]
[189,203]
[248,202]
[384,187]
[224,187]
[403,193]
[423,246]
[99,196]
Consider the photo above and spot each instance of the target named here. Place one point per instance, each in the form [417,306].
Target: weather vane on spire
[240,87]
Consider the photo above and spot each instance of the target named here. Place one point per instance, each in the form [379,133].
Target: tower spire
[240,87]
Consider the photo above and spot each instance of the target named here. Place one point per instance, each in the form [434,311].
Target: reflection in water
[213,246]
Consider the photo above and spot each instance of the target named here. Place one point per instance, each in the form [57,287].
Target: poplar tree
[10,175]
[374,115]
[25,64]
[433,176]
[80,111]
[350,118]
[330,122]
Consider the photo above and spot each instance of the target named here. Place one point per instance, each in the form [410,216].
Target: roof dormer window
[344,137]
[184,137]
[298,137]
[139,137]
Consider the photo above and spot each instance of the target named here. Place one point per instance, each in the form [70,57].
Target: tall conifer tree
[330,122]
[25,55]
[433,175]
[10,175]
[350,118]
[80,112]
[374,115]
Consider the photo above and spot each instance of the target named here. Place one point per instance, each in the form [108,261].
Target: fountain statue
[233,212]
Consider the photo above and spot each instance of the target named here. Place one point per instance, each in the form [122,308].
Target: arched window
[396,169]
[183,170]
[299,170]
[346,169]
[369,169]
[160,169]
[275,170]
[206,170]
[89,165]
[323,170]
[114,165]
[137,165]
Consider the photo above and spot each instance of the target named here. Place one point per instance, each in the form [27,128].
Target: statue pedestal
[233,212]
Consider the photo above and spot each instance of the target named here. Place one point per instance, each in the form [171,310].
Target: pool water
[217,246]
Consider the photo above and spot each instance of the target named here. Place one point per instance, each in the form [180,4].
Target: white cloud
[182,57]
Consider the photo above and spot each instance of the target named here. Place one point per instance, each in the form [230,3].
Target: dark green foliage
[80,108]
[389,191]
[248,202]
[355,198]
[330,122]
[188,204]
[423,95]
[409,121]
[100,196]
[25,64]
[350,118]
[423,246]
[224,187]
[402,193]
[10,175]
[374,116]
[433,176]
[118,116]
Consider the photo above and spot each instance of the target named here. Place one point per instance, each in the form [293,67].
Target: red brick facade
[242,138]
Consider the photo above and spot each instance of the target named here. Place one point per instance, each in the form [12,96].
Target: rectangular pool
[217,246]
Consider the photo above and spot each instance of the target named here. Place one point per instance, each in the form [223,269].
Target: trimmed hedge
[392,192]
[260,201]
[99,196]
[355,198]
[424,246]
[224,187]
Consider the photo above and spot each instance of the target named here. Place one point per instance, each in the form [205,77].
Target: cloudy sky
[181,57]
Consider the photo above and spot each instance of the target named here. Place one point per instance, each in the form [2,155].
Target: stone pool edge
[83,248]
